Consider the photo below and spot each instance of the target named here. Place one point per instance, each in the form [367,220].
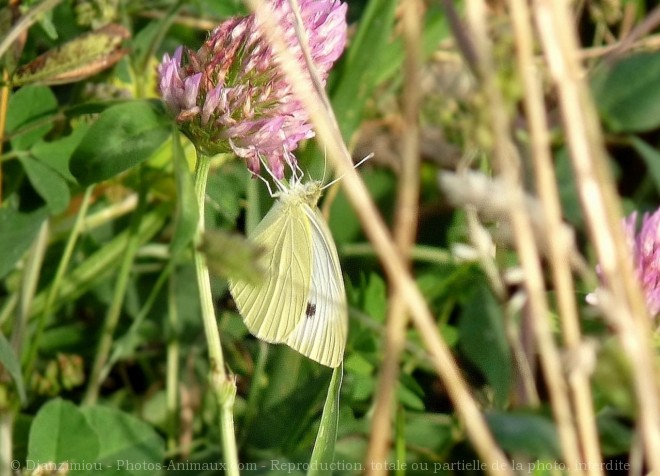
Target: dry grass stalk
[317,104]
[405,227]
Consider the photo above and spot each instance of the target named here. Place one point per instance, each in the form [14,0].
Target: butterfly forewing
[273,308]
[321,333]
[301,299]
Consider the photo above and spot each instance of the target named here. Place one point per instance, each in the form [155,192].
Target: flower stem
[222,385]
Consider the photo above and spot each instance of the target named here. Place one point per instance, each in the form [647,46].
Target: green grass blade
[324,447]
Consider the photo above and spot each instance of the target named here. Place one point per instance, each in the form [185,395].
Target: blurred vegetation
[89,177]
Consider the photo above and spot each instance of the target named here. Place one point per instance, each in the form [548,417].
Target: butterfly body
[301,299]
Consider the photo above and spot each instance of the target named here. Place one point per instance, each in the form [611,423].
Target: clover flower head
[232,95]
[644,247]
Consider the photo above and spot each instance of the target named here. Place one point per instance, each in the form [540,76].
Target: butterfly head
[308,192]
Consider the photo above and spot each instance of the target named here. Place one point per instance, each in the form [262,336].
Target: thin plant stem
[114,311]
[317,105]
[172,381]
[29,283]
[626,310]
[405,228]
[99,218]
[222,385]
[4,102]
[421,253]
[509,168]
[8,307]
[55,286]
[142,315]
[558,250]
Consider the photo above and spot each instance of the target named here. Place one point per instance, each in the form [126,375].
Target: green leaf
[56,154]
[409,393]
[61,433]
[10,362]
[122,137]
[324,446]
[568,194]
[374,297]
[627,93]
[289,402]
[17,231]
[50,185]
[524,433]
[616,437]
[434,30]
[430,430]
[187,210]
[651,158]
[484,342]
[29,115]
[360,72]
[128,446]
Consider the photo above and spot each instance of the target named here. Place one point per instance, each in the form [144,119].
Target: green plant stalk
[101,263]
[55,286]
[114,312]
[223,386]
[8,307]
[142,315]
[29,285]
[259,381]
[420,253]
[172,381]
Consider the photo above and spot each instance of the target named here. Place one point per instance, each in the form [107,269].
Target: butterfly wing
[321,332]
[274,307]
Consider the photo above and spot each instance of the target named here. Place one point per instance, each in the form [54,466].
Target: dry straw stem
[483,243]
[558,249]
[405,227]
[318,106]
[602,212]
[490,197]
[508,166]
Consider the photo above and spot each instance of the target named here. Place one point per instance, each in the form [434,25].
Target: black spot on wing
[310,310]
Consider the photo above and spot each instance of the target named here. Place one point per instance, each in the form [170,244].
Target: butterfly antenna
[362,161]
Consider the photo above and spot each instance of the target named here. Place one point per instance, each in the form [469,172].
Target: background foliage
[95,222]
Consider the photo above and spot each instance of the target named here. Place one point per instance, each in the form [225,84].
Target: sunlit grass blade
[10,362]
[324,447]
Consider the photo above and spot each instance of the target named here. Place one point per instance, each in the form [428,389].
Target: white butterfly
[301,300]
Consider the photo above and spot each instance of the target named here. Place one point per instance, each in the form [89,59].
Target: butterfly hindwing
[301,299]
[321,332]
[273,308]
